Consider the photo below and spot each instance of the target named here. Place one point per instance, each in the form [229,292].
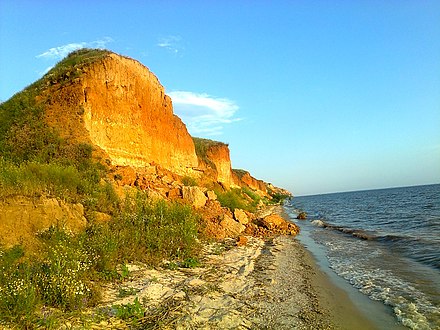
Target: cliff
[214,161]
[98,123]
[118,105]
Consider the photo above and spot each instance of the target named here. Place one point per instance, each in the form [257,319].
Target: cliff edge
[118,105]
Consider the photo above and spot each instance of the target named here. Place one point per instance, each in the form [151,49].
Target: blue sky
[313,96]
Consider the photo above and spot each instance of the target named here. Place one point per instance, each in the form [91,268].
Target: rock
[211,195]
[302,216]
[232,228]
[274,221]
[194,196]
[241,216]
[242,240]
[23,217]
[100,217]
[174,193]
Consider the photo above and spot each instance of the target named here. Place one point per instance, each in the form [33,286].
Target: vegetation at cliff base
[66,272]
[238,198]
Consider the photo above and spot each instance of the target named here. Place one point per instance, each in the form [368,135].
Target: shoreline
[265,284]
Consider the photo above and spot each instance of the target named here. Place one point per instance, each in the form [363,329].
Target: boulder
[211,195]
[195,196]
[302,216]
[274,222]
[242,240]
[241,216]
[232,228]
[174,193]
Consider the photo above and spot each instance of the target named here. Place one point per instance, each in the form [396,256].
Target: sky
[312,96]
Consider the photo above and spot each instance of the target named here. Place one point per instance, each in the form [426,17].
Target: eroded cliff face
[219,155]
[244,179]
[117,104]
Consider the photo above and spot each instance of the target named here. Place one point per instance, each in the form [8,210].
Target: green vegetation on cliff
[25,136]
[66,269]
[65,273]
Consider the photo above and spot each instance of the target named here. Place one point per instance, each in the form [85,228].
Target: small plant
[18,295]
[235,199]
[131,312]
[189,181]
[125,292]
[125,272]
[171,265]
[191,263]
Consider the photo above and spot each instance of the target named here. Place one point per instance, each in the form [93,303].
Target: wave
[358,233]
[416,248]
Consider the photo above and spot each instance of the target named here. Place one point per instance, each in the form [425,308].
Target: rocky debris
[302,216]
[211,195]
[241,216]
[242,240]
[271,224]
[232,227]
[195,196]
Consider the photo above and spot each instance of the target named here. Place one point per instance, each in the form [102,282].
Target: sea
[383,243]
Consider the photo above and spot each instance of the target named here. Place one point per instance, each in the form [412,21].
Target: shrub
[152,231]
[62,276]
[189,181]
[236,199]
[18,294]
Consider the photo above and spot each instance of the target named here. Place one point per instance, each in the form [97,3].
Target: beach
[263,284]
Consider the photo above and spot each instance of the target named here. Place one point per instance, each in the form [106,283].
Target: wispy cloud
[203,114]
[57,53]
[171,43]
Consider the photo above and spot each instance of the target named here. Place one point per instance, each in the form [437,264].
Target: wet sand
[302,296]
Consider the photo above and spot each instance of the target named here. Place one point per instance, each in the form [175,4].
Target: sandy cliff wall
[244,179]
[119,105]
[219,155]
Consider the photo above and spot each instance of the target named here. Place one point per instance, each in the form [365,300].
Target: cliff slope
[118,105]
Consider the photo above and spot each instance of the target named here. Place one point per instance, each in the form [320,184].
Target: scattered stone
[195,196]
[241,216]
[232,228]
[174,193]
[302,216]
[242,240]
[211,195]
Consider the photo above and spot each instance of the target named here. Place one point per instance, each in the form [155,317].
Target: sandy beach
[264,284]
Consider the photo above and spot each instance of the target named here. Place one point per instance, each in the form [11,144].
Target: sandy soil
[272,284]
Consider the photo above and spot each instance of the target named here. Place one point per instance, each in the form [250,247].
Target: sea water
[385,243]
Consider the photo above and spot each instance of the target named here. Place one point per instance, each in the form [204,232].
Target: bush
[152,231]
[189,181]
[18,294]
[235,199]
[62,276]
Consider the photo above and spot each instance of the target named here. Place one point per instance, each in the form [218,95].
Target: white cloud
[60,52]
[171,43]
[203,114]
